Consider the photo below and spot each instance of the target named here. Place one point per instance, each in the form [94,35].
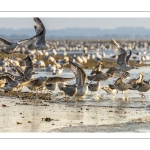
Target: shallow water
[90,111]
[133,97]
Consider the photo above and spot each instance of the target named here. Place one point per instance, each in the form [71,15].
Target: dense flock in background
[20,60]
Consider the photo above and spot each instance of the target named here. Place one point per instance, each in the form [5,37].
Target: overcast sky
[61,23]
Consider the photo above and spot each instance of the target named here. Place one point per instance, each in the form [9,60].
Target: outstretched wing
[58,79]
[121,61]
[79,74]
[36,36]
[18,69]
[5,41]
[39,25]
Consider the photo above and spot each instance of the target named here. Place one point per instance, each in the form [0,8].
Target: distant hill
[121,32]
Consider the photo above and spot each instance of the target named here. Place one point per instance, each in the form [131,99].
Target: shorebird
[27,74]
[63,62]
[40,43]
[97,69]
[94,87]
[58,79]
[70,90]
[123,58]
[52,86]
[11,83]
[140,85]
[100,76]
[12,46]
[119,83]
[80,75]
[134,82]
[37,84]
[108,90]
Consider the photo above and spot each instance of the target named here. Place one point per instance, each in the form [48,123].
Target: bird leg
[142,95]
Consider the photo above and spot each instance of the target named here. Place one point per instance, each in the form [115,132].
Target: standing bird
[94,87]
[97,68]
[119,83]
[140,85]
[40,43]
[123,58]
[69,90]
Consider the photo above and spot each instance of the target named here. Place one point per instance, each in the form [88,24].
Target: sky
[61,23]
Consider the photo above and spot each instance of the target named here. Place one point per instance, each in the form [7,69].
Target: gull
[37,84]
[26,74]
[51,86]
[140,85]
[97,68]
[11,83]
[119,83]
[40,43]
[123,58]
[70,90]
[108,90]
[58,79]
[94,87]
[98,57]
[100,76]
[12,46]
[80,75]
[134,82]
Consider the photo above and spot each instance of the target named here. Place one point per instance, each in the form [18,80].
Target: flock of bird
[78,90]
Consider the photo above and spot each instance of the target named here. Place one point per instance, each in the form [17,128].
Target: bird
[52,86]
[11,83]
[123,58]
[70,90]
[141,85]
[97,69]
[94,87]
[119,83]
[40,43]
[100,76]
[134,82]
[80,75]
[108,90]
[12,46]
[28,72]
[58,79]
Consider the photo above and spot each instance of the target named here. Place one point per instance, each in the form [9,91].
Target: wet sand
[70,116]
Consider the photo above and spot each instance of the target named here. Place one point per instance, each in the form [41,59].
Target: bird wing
[36,36]
[9,74]
[121,60]
[128,57]
[58,79]
[18,69]
[5,41]
[117,48]
[28,61]
[7,77]
[29,66]
[39,25]
[79,74]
